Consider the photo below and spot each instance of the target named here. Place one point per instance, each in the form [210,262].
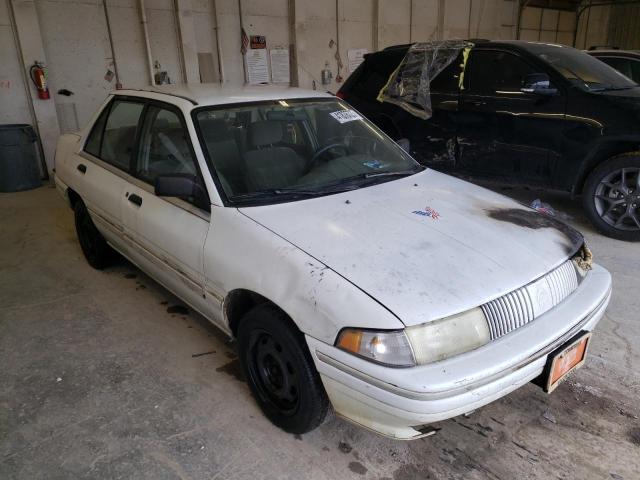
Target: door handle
[136,199]
[82,168]
[477,103]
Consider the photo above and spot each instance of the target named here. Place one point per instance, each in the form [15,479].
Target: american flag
[432,213]
[244,42]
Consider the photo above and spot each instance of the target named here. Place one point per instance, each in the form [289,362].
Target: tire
[94,247]
[280,372]
[611,197]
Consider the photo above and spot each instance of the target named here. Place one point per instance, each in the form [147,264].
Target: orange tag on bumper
[567,360]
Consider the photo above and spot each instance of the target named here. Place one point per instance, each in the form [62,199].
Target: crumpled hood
[424,246]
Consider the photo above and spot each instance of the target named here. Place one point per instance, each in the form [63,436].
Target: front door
[503,132]
[168,233]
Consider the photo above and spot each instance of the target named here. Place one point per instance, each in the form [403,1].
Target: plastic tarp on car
[409,84]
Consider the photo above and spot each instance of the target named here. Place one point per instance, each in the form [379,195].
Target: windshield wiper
[356,179]
[343,185]
[266,194]
[320,191]
[396,173]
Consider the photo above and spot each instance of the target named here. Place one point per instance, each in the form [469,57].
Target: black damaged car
[525,113]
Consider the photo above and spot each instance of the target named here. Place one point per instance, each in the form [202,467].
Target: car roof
[483,41]
[215,94]
[614,51]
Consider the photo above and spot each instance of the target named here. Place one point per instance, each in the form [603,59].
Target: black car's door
[503,132]
[433,140]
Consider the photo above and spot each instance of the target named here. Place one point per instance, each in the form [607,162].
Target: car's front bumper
[398,402]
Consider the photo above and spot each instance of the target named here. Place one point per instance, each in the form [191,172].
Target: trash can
[19,169]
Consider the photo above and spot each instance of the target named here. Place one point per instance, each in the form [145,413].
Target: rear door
[362,88]
[505,133]
[433,140]
[168,233]
[102,167]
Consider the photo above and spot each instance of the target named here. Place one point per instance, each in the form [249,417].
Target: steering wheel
[322,150]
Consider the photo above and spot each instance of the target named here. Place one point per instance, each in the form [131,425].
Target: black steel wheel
[611,197]
[280,371]
[94,247]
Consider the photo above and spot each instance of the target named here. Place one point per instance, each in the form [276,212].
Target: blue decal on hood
[428,212]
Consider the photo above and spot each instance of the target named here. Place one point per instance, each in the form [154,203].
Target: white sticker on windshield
[344,116]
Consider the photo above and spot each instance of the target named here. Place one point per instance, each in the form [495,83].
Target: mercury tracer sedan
[350,275]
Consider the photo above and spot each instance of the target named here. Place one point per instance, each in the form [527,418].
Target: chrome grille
[517,308]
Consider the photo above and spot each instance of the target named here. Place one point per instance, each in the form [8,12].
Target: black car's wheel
[94,247]
[280,371]
[611,197]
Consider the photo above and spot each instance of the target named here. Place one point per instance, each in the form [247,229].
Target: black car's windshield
[289,149]
[582,69]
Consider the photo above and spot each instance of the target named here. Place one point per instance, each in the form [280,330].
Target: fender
[241,254]
[602,149]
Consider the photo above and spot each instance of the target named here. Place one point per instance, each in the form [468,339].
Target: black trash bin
[19,169]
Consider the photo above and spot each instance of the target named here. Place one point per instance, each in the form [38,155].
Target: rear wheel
[94,247]
[611,197]
[280,371]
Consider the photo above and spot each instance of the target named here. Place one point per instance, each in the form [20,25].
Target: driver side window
[164,146]
[493,72]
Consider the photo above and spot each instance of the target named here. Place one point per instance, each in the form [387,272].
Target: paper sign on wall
[355,57]
[280,65]
[257,68]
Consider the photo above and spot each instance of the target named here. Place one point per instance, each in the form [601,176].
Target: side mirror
[182,185]
[404,144]
[538,84]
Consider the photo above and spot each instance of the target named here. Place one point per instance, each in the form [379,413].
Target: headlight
[449,336]
[421,344]
[386,347]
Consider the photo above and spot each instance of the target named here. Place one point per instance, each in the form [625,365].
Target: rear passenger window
[448,79]
[376,71]
[95,137]
[120,133]
[164,146]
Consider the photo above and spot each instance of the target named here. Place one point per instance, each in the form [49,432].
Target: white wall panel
[425,20]
[77,50]
[13,99]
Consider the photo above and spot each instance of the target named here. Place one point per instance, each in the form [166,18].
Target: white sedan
[350,275]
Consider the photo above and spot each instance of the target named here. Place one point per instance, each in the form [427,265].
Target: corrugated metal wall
[624,26]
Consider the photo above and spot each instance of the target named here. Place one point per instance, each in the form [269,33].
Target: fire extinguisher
[38,76]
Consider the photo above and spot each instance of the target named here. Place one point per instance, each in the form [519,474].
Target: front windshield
[278,151]
[582,69]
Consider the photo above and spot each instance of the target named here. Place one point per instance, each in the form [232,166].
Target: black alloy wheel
[611,197]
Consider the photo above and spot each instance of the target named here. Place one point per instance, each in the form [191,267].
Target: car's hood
[628,99]
[424,246]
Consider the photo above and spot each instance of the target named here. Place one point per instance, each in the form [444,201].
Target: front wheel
[611,197]
[280,371]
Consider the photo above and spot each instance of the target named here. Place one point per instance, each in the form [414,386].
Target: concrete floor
[99,380]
